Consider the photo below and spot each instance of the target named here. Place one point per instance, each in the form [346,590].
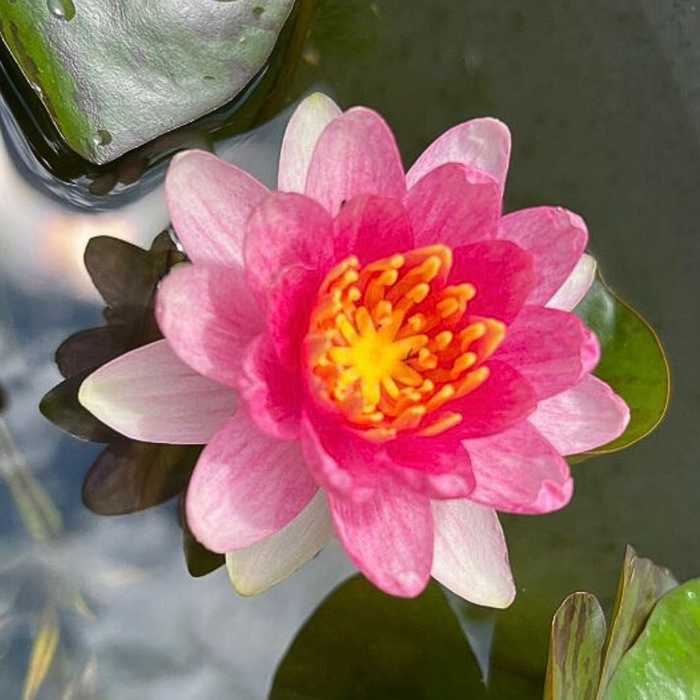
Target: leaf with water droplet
[94,66]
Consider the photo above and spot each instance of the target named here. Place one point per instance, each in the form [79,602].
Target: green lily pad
[632,361]
[641,585]
[664,663]
[578,636]
[362,643]
[114,78]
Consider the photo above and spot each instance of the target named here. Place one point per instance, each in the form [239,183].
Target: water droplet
[63,9]
[101,138]
[258,10]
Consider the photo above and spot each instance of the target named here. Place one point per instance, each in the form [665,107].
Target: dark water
[603,101]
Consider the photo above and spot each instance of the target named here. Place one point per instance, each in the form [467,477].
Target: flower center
[391,345]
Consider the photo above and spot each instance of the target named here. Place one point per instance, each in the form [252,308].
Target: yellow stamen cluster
[391,345]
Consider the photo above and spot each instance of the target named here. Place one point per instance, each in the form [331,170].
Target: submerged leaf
[362,643]
[632,361]
[42,655]
[664,663]
[576,647]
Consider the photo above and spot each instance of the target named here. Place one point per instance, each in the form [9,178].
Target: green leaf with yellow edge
[641,585]
[576,648]
[664,663]
[632,361]
[42,655]
[362,643]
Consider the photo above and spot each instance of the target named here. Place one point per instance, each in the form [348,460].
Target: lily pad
[578,636]
[362,643]
[114,76]
[664,664]
[632,362]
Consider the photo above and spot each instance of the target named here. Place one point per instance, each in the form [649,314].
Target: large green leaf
[632,362]
[576,647]
[642,583]
[664,664]
[362,643]
[113,76]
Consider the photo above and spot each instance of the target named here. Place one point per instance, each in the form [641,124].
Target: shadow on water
[603,104]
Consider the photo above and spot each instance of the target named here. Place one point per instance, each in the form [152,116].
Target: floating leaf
[641,585]
[114,80]
[664,663]
[42,655]
[362,643]
[632,362]
[130,476]
[576,647]
[200,561]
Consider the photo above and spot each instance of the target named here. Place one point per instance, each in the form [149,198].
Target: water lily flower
[367,353]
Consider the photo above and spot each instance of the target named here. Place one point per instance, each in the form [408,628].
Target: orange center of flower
[392,346]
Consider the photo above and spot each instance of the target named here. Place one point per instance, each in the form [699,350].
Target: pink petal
[389,538]
[470,555]
[453,205]
[356,154]
[372,228]
[246,486]
[482,144]
[502,273]
[503,400]
[576,286]
[552,349]
[272,393]
[208,315]
[287,230]
[555,237]
[289,305]
[209,201]
[518,471]
[582,418]
[149,394]
[309,120]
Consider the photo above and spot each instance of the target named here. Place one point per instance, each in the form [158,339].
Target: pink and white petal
[435,467]
[389,537]
[482,144]
[356,154]
[503,274]
[372,228]
[209,201]
[518,471]
[503,400]
[571,293]
[470,553]
[582,418]
[552,349]
[286,230]
[208,315]
[149,394]
[307,123]
[555,237]
[272,393]
[289,305]
[257,568]
[246,486]
[453,205]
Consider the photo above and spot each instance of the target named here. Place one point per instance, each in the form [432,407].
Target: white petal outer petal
[305,126]
[255,569]
[483,144]
[470,555]
[582,418]
[149,394]
[577,284]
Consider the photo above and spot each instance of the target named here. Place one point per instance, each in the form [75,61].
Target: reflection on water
[105,607]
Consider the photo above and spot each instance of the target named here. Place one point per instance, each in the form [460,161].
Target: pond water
[604,105]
